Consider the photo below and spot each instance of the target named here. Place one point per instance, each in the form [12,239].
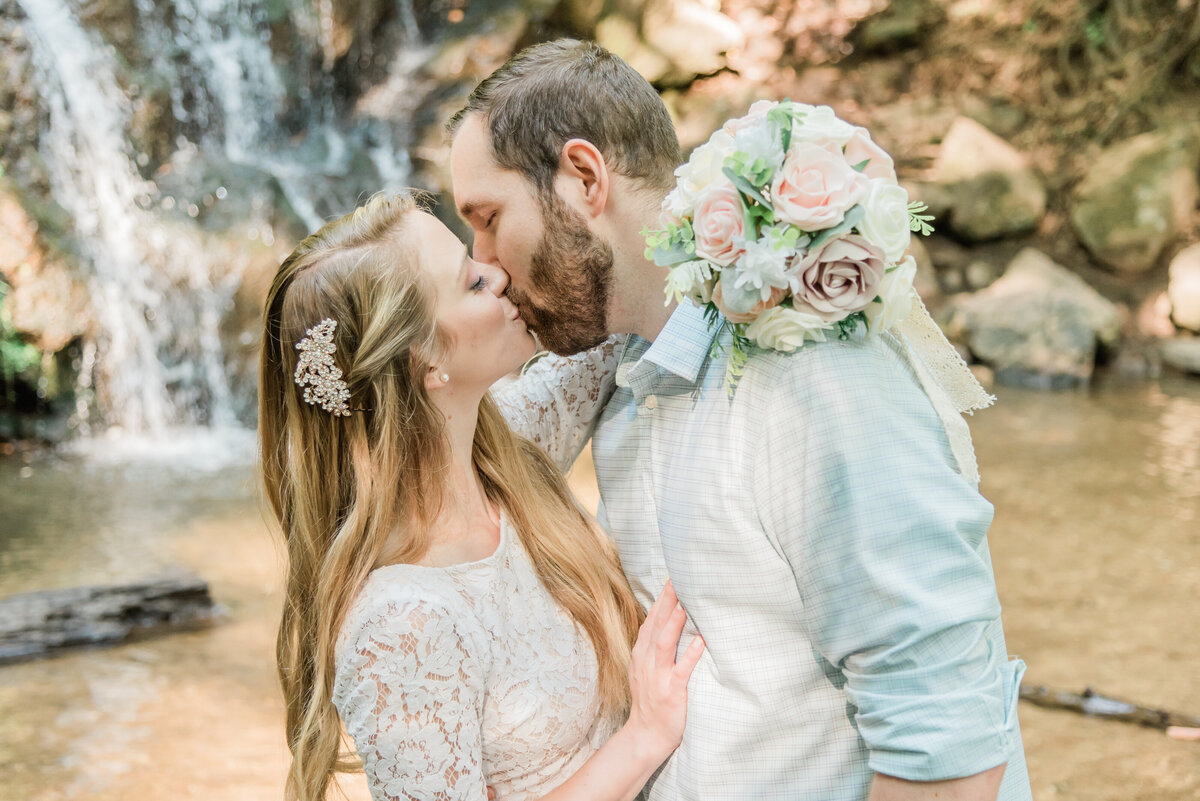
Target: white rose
[692,280]
[701,170]
[785,329]
[896,294]
[885,224]
[761,140]
[820,123]
[758,110]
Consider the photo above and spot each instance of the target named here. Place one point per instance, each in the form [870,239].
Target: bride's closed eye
[480,284]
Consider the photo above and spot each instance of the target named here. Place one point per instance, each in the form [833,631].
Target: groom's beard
[570,270]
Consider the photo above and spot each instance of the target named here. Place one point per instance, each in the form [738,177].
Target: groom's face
[559,271]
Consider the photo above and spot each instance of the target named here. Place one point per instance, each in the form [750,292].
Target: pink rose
[840,277]
[777,295]
[860,148]
[719,219]
[815,187]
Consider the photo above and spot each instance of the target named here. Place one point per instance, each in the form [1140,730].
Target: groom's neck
[639,286]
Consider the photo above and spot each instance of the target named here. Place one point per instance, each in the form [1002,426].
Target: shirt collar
[681,348]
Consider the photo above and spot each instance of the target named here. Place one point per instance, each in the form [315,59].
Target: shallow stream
[1096,546]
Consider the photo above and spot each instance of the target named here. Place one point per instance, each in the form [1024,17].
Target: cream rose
[885,223]
[896,296]
[758,110]
[718,298]
[815,187]
[719,225]
[701,171]
[839,278]
[821,124]
[786,329]
[861,148]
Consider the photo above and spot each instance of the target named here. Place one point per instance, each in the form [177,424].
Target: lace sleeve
[410,691]
[558,399]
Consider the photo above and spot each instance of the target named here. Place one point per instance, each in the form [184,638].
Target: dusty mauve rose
[777,295]
[719,220]
[840,277]
[860,148]
[815,187]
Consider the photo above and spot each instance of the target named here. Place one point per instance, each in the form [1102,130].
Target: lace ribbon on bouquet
[946,379]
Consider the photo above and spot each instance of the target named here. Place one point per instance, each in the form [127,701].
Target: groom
[814,526]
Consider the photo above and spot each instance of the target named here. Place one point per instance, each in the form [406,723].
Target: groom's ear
[583,179]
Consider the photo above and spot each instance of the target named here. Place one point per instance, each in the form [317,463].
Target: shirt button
[651,402]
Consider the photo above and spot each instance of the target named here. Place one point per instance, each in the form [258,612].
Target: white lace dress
[451,680]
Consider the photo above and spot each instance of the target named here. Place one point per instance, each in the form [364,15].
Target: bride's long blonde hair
[351,493]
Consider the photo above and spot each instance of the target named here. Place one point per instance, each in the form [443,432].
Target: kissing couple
[794,563]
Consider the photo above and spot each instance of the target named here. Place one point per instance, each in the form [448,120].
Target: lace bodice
[558,399]
[451,680]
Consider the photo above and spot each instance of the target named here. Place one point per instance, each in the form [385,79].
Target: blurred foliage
[17,357]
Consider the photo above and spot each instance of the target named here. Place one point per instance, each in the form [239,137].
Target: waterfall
[135,270]
[154,360]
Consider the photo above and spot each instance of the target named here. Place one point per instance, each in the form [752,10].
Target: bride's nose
[497,278]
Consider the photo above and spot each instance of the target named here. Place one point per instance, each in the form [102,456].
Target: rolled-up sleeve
[888,546]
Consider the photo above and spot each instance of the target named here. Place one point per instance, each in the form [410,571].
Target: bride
[446,598]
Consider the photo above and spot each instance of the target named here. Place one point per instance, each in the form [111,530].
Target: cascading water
[140,354]
[154,359]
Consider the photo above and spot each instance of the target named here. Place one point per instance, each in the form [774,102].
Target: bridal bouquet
[789,224]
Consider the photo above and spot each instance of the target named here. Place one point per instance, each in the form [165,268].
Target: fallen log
[1094,704]
[38,624]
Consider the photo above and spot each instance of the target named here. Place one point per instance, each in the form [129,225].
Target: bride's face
[489,338]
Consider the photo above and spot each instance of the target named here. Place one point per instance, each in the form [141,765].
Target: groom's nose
[482,249]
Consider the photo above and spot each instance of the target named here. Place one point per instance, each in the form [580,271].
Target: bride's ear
[583,179]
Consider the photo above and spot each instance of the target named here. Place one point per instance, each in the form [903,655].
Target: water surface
[1096,545]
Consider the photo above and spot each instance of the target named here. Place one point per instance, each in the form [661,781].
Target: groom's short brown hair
[556,91]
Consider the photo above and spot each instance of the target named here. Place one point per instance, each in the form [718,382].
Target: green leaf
[675,254]
[860,166]
[853,217]
[744,186]
[918,222]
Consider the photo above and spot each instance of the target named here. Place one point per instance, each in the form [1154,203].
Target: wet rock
[1183,288]
[47,304]
[1038,325]
[39,624]
[1182,354]
[1136,198]
[993,191]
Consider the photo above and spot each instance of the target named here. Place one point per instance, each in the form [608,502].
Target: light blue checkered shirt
[821,539]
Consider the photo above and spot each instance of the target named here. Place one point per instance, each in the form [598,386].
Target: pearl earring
[445,378]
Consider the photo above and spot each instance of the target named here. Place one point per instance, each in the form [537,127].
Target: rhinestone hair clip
[316,372]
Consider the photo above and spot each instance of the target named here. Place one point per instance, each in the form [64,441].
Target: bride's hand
[657,681]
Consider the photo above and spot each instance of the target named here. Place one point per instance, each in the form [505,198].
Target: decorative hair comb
[316,372]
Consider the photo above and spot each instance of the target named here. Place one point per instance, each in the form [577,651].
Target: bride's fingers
[690,658]
[668,635]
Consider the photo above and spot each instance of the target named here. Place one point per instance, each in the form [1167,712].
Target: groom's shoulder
[828,371]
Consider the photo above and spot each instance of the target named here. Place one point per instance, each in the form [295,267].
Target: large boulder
[1136,198]
[1183,288]
[674,41]
[1038,325]
[1182,354]
[48,304]
[993,191]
